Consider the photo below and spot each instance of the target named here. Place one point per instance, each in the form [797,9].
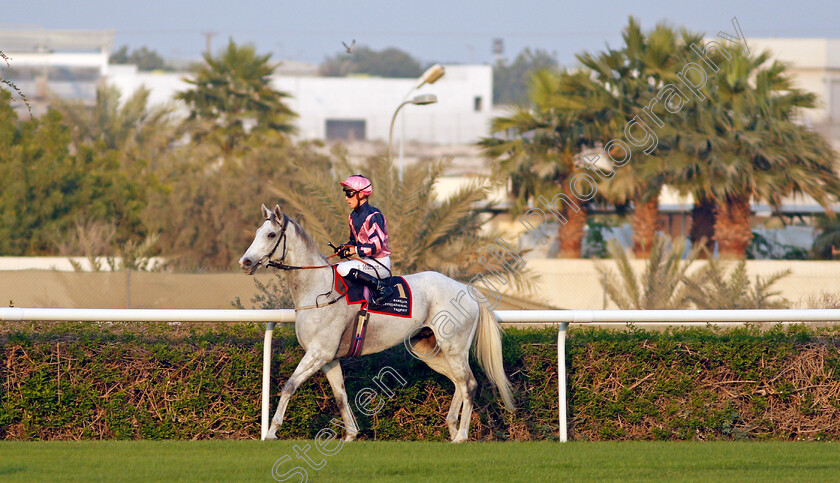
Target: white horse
[319,324]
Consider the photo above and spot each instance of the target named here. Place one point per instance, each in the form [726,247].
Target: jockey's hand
[344,251]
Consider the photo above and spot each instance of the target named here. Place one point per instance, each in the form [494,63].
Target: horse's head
[268,237]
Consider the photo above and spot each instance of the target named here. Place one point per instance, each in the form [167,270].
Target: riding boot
[380,291]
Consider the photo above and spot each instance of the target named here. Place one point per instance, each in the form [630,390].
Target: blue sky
[431,30]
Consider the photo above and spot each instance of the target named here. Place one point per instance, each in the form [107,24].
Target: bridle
[282,266]
[282,238]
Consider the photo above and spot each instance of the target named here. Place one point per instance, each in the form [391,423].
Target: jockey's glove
[344,251]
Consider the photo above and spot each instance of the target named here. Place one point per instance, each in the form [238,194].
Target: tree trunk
[646,223]
[732,226]
[571,233]
[703,225]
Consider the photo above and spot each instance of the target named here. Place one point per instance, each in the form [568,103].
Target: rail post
[266,378]
[561,380]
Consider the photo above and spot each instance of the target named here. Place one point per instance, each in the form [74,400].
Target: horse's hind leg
[305,368]
[439,364]
[333,372]
[454,409]
[467,385]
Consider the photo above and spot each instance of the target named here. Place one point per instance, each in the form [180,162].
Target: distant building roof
[295,68]
[56,40]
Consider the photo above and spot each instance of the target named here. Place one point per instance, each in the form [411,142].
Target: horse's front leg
[307,366]
[332,370]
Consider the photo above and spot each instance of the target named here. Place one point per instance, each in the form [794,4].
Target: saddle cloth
[398,304]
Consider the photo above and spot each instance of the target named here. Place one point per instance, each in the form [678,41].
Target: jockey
[368,240]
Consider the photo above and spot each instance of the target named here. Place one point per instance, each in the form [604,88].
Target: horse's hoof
[350,437]
[459,439]
[270,436]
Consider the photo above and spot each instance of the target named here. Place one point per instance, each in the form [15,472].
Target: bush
[194,381]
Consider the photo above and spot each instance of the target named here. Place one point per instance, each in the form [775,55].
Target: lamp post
[421,100]
[430,76]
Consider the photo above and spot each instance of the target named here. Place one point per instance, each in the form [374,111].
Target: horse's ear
[277,212]
[265,213]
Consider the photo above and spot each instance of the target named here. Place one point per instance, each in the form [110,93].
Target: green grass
[420,461]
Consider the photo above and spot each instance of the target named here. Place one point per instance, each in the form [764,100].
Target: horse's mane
[310,243]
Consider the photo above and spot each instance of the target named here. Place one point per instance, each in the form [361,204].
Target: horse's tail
[488,351]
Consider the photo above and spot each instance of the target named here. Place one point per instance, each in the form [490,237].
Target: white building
[333,107]
[66,63]
[362,108]
[71,64]
[815,65]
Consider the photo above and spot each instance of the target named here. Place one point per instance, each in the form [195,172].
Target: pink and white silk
[372,237]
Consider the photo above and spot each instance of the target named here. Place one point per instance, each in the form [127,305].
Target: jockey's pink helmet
[358,183]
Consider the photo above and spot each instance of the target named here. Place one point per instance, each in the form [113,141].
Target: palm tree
[634,75]
[687,171]
[748,146]
[542,146]
[232,91]
[662,283]
[711,287]
[669,282]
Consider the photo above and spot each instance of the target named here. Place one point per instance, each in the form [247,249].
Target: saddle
[397,305]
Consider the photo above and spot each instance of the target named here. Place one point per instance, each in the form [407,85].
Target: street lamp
[421,100]
[430,76]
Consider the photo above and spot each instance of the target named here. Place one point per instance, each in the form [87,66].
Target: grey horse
[319,325]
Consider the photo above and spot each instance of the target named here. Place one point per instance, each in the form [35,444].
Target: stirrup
[381,293]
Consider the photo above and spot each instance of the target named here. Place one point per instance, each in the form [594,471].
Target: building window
[346,129]
[477,103]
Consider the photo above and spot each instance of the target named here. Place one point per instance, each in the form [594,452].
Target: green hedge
[154,381]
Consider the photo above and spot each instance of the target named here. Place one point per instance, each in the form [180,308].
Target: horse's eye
[272,235]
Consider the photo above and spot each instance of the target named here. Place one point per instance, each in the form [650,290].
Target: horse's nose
[245,262]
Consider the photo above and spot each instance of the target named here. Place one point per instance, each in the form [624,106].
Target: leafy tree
[46,187]
[139,134]
[510,82]
[390,62]
[205,216]
[12,85]
[144,58]
[94,240]
[232,97]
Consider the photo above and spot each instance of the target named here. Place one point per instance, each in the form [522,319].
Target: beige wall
[137,290]
[561,283]
[576,284]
